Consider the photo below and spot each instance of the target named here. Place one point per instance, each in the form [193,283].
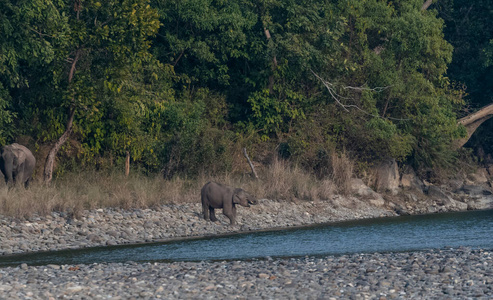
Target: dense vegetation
[469,30]
[183,85]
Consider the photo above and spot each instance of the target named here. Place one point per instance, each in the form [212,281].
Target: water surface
[396,234]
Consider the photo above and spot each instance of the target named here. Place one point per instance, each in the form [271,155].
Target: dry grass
[282,181]
[342,171]
[76,192]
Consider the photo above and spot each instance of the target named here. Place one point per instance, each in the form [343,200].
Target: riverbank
[48,218]
[434,274]
[103,227]
[116,226]
[455,273]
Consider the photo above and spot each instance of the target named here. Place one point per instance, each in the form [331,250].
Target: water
[469,229]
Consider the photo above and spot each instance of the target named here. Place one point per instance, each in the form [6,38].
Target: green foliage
[6,116]
[96,48]
[190,144]
[200,38]
[274,115]
[180,84]
[488,52]
[468,29]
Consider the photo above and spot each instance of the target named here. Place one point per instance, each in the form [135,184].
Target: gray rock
[409,180]
[441,198]
[353,276]
[485,202]
[474,190]
[479,177]
[360,188]
[387,177]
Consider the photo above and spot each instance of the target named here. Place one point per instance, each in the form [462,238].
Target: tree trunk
[250,163]
[426,4]
[472,122]
[50,159]
[274,64]
[127,164]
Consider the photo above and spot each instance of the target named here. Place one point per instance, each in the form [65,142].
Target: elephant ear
[236,198]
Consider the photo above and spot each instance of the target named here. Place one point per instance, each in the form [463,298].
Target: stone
[411,197]
[377,201]
[387,177]
[479,177]
[460,205]
[409,180]
[440,196]
[360,188]
[485,202]
[54,267]
[455,184]
[73,289]
[474,190]
[489,169]
[94,238]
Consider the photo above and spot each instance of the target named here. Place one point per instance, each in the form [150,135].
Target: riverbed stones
[462,273]
[359,276]
[112,226]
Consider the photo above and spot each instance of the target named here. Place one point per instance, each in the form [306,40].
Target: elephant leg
[20,175]
[205,211]
[7,170]
[213,214]
[230,213]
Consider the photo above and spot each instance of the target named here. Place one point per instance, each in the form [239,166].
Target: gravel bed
[104,227]
[462,273]
[435,274]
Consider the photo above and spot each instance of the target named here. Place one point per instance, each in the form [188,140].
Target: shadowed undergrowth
[91,190]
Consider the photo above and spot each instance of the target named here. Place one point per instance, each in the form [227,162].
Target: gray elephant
[17,164]
[216,195]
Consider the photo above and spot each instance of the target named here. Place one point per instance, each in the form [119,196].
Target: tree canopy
[183,84]
[469,31]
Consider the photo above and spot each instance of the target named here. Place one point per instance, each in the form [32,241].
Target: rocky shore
[111,226]
[435,274]
[104,227]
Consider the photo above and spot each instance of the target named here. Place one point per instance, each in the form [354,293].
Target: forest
[182,86]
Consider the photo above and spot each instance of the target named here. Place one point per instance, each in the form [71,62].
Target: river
[397,234]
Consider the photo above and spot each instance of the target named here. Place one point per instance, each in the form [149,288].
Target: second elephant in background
[17,164]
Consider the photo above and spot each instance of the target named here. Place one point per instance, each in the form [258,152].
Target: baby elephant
[216,195]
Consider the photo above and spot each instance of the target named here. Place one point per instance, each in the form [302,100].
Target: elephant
[216,195]
[17,164]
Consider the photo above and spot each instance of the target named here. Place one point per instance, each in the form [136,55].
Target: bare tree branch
[426,4]
[40,33]
[250,163]
[338,99]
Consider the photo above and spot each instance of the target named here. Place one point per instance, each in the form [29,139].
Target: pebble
[290,278]
[110,226]
[462,273]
